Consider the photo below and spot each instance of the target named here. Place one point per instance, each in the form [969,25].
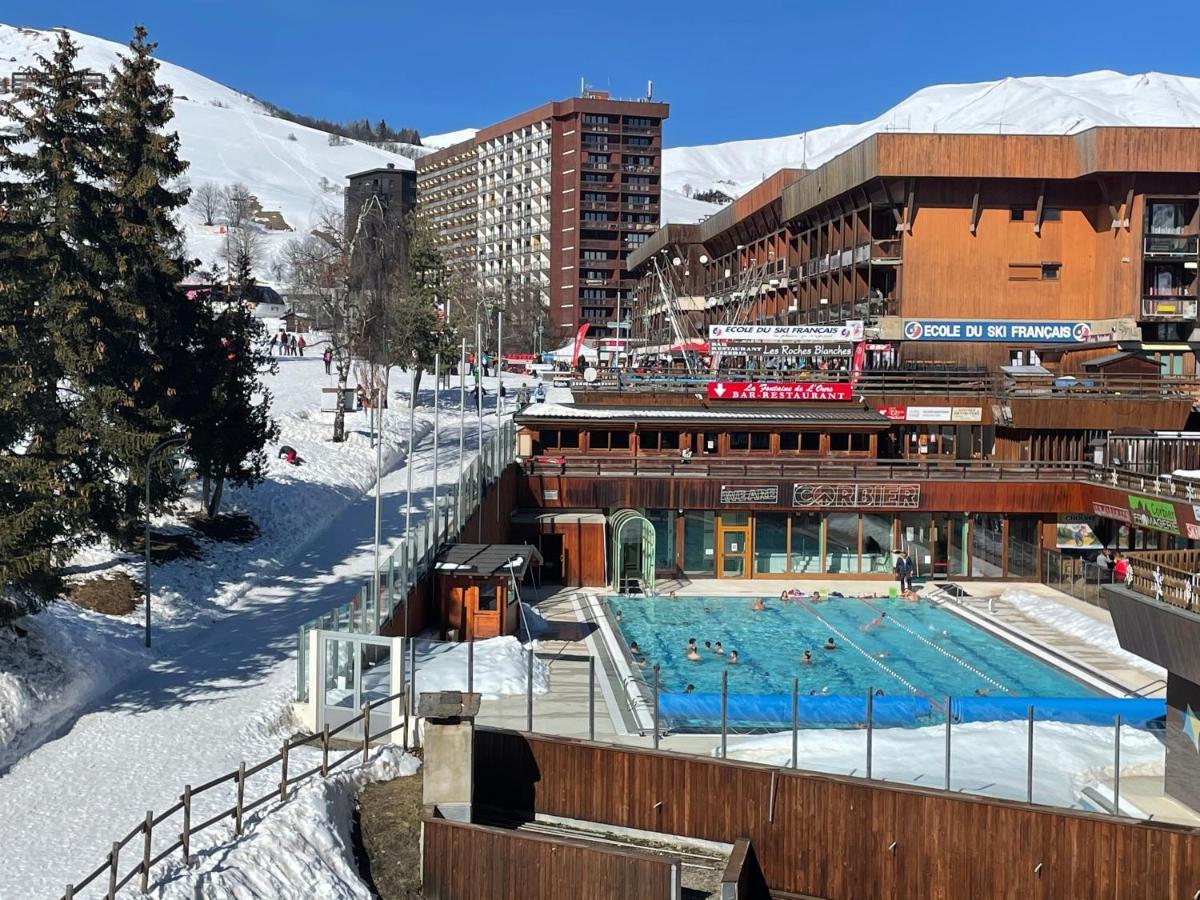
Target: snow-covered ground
[228,137]
[216,687]
[301,846]
[986,758]
[1092,631]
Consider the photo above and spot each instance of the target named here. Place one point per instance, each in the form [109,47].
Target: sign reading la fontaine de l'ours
[778,390]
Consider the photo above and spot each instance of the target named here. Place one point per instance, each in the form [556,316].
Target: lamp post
[161,445]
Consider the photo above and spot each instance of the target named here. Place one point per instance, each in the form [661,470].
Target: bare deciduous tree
[207,198]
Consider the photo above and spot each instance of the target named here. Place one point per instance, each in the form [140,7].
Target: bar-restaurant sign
[1038,332]
[847,332]
[1108,511]
[1158,515]
[778,390]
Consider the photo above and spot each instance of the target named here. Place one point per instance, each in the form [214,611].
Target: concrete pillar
[449,742]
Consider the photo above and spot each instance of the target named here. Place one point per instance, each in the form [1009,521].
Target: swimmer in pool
[732,658]
[693,655]
[690,689]
[806,659]
[718,649]
[708,645]
[671,596]
[816,597]
[758,605]
[618,615]
[830,645]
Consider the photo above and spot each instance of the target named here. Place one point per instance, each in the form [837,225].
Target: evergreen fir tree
[234,425]
[96,334]
[141,164]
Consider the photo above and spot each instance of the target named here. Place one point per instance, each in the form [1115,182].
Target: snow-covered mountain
[228,137]
[1034,105]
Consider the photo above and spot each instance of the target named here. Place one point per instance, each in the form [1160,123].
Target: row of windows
[739,441]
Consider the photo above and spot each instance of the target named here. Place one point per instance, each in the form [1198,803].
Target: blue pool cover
[890,711]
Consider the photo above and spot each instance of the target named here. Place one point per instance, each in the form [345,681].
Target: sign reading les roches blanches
[777,390]
[965,330]
[721,335]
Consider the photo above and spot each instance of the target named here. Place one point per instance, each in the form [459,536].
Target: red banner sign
[1108,511]
[777,390]
[895,413]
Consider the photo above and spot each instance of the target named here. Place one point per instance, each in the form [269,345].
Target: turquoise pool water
[901,648]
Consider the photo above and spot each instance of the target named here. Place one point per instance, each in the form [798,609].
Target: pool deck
[569,641]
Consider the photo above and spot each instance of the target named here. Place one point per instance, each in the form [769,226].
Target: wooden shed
[477,588]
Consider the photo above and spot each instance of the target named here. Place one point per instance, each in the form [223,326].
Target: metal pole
[412,677]
[656,707]
[529,692]
[1029,761]
[795,717]
[379,398]
[499,398]
[870,723]
[408,462]
[591,698]
[1117,768]
[724,709]
[948,721]
[479,420]
[470,667]
[437,377]
[462,425]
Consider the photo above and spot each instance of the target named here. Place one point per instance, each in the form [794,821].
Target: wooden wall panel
[467,861]
[830,836]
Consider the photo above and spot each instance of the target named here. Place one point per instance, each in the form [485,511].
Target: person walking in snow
[300,344]
[327,358]
[271,346]
[293,349]
[283,342]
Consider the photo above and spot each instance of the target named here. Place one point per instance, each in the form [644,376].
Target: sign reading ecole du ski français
[778,390]
[723,335]
[965,330]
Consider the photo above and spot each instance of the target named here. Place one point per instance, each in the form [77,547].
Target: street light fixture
[161,445]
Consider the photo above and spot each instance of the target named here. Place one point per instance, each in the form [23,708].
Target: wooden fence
[841,837]
[1167,575]
[176,821]
[462,861]
[743,878]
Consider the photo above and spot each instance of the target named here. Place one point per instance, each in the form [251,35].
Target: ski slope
[1032,105]
[227,138]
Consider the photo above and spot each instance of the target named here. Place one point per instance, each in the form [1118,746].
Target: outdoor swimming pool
[905,650]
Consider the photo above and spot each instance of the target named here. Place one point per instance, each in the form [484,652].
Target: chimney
[448,735]
[391,165]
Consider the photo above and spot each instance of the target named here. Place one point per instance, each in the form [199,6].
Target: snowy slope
[1033,105]
[229,137]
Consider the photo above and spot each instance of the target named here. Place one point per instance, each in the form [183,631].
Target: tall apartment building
[549,204]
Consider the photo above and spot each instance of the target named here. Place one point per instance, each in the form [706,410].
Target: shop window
[709,443]
[839,443]
[877,543]
[770,543]
[739,440]
[789,440]
[557,439]
[806,543]
[860,443]
[658,440]
[663,521]
[841,543]
[1022,546]
[760,440]
[608,440]
[699,541]
[810,441]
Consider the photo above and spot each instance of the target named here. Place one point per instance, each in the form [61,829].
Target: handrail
[278,791]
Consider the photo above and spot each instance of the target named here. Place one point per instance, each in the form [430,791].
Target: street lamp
[161,445]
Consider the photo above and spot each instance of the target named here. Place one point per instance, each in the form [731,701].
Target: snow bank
[986,758]
[1069,621]
[500,663]
[302,845]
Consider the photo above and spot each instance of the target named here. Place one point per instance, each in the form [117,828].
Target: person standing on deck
[904,570]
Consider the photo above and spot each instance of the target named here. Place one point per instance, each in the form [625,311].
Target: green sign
[1156,514]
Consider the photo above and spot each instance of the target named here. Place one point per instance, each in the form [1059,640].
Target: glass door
[735,551]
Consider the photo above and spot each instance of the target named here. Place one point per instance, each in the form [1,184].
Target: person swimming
[830,645]
[733,658]
[692,653]
[618,615]
[816,596]
[806,659]
[708,645]
[758,605]
[690,689]
[718,649]
[672,596]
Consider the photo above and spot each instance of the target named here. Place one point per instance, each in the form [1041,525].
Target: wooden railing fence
[1171,576]
[155,823]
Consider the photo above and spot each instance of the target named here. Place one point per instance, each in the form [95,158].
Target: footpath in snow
[222,671]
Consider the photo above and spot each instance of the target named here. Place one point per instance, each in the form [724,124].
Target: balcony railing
[1177,246]
[1169,306]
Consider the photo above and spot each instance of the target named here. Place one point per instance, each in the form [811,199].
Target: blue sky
[729,70]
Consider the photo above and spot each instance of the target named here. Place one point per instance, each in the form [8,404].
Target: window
[839,443]
[698,542]
[1016,214]
[595,119]
[488,598]
[608,440]
[1167,218]
[841,542]
[558,439]
[810,441]
[1051,214]
[860,443]
[593,216]
[658,440]
[593,197]
[638,141]
[739,440]
[639,122]
[595,254]
[1050,271]
[760,440]
[789,440]
[709,442]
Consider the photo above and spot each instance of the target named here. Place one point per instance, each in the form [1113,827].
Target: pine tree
[234,425]
[141,165]
[52,327]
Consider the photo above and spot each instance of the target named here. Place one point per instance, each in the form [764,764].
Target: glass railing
[1171,244]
